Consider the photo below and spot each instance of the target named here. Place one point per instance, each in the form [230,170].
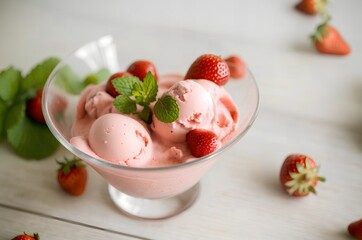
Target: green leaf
[39,74]
[166,109]
[97,77]
[150,88]
[69,80]
[145,114]
[32,140]
[15,113]
[125,104]
[10,79]
[124,85]
[3,108]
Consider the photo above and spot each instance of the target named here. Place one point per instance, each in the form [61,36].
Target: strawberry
[328,40]
[27,237]
[33,108]
[109,86]
[141,68]
[299,175]
[210,67]
[355,229]
[236,66]
[202,142]
[72,176]
[312,7]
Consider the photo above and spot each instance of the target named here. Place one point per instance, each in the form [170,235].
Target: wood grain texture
[15,222]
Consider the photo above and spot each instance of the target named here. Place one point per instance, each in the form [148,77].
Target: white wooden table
[310,104]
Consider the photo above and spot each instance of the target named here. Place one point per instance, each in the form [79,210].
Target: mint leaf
[10,79]
[124,85]
[166,109]
[39,74]
[125,104]
[31,140]
[150,88]
[145,114]
[2,116]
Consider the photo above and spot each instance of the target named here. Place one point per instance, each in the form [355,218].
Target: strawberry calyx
[322,31]
[36,236]
[304,180]
[320,6]
[67,164]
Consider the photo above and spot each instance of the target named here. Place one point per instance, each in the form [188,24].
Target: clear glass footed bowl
[148,193]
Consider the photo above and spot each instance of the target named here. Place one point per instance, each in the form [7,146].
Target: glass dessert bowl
[143,192]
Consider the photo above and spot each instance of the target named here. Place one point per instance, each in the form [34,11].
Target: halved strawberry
[328,40]
[34,109]
[355,229]
[140,69]
[109,86]
[299,175]
[236,66]
[25,236]
[210,67]
[202,142]
[72,176]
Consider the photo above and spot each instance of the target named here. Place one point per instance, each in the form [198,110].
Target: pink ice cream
[104,133]
[203,104]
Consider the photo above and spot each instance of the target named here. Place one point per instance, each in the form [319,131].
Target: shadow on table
[305,47]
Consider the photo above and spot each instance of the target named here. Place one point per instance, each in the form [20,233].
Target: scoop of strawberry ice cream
[196,110]
[120,139]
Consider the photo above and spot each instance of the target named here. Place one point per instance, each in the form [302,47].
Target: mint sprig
[135,92]
[27,138]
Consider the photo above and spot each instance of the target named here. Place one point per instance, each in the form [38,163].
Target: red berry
[72,176]
[202,142]
[210,67]
[27,237]
[141,68]
[307,7]
[33,108]
[299,175]
[355,229]
[109,86]
[236,66]
[327,40]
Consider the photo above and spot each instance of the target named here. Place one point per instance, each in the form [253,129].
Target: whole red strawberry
[327,40]
[236,66]
[140,69]
[311,7]
[72,176]
[109,86]
[355,229]
[27,237]
[210,67]
[202,142]
[299,175]
[34,109]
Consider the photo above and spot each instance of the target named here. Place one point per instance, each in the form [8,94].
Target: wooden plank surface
[310,104]
[14,222]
